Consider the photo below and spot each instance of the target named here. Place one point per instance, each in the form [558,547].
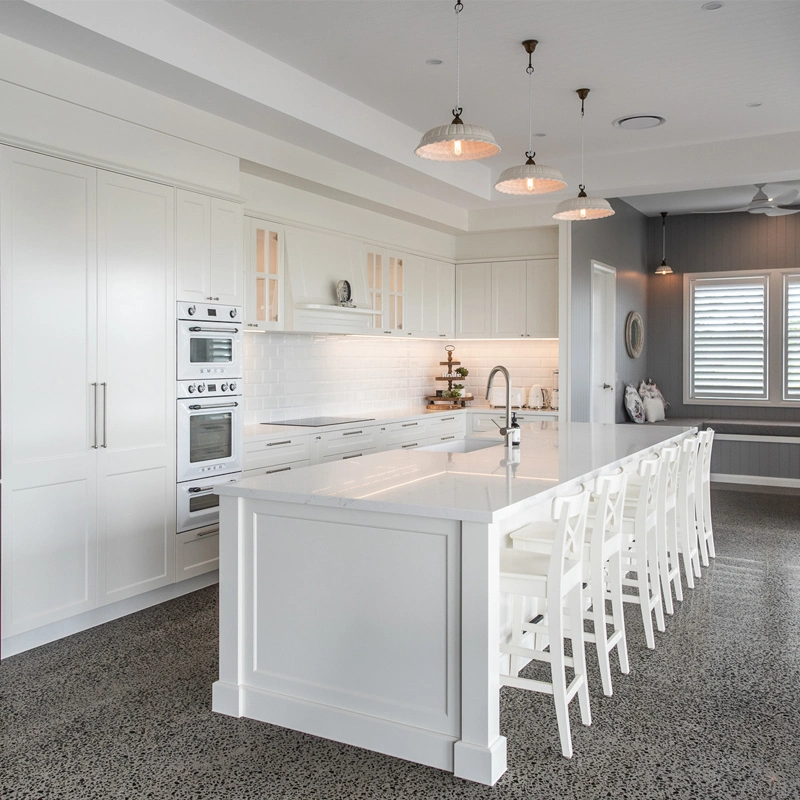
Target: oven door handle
[198,329]
[199,490]
[197,407]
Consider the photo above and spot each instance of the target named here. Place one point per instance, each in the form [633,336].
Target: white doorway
[603,377]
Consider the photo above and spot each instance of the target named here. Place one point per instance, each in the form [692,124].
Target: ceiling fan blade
[786,198]
[723,211]
[780,212]
[795,206]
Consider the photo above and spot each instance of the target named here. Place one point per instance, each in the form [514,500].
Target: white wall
[290,375]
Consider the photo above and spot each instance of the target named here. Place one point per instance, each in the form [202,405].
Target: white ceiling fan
[762,203]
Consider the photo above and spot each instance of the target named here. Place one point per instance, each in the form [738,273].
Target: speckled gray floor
[123,710]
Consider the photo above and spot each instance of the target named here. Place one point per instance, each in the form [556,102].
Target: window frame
[776,349]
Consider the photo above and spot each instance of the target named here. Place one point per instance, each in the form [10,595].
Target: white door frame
[602,408]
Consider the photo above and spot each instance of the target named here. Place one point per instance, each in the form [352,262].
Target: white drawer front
[271,470]
[352,440]
[276,451]
[447,423]
[409,445]
[398,433]
[196,552]
[345,456]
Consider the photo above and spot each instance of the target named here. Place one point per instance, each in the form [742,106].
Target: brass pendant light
[583,207]
[664,268]
[457,141]
[530,178]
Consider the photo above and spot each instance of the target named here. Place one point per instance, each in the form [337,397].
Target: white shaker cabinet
[87,418]
[386,281]
[264,275]
[473,301]
[209,246]
[413,300]
[542,298]
[438,299]
[509,299]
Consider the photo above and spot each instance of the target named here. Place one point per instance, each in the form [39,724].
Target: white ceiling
[697,68]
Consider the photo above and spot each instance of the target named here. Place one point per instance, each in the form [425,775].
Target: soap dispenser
[515,436]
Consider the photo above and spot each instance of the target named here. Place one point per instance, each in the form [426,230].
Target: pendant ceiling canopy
[457,141]
[530,178]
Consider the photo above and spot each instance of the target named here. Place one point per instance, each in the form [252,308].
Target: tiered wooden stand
[438,403]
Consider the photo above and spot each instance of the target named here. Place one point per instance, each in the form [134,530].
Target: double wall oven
[209,413]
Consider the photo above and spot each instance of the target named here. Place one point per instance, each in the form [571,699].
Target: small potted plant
[456,390]
[462,372]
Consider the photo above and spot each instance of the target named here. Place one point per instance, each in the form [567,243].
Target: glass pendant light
[582,206]
[530,178]
[457,141]
[664,268]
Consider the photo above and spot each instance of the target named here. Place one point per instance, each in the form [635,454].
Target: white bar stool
[555,578]
[603,557]
[640,545]
[685,509]
[669,568]
[702,496]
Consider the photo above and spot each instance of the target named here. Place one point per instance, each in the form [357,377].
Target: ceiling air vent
[638,122]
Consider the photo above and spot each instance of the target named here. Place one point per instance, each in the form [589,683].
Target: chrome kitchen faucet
[505,432]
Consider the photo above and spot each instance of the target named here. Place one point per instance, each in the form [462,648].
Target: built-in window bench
[756,452]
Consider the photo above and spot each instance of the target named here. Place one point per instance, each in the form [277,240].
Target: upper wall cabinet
[209,249]
[264,276]
[386,279]
[438,299]
[507,300]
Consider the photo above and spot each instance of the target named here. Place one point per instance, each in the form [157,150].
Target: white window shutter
[791,338]
[728,329]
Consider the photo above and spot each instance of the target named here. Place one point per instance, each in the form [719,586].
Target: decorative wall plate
[343,293]
[634,334]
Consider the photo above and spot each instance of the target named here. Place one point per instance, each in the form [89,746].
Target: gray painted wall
[620,242]
[709,243]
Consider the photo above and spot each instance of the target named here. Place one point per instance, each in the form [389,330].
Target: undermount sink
[463,445]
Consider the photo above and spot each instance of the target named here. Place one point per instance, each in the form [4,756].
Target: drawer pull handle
[410,424]
[351,433]
[272,471]
[275,444]
[445,438]
[355,455]
[207,533]
[410,445]
[447,419]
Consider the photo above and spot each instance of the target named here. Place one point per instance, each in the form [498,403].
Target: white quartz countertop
[481,486]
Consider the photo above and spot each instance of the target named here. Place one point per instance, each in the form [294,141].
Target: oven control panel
[220,388]
[209,312]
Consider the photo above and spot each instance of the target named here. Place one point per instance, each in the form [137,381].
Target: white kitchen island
[359,599]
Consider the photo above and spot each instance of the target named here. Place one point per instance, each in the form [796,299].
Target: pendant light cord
[663,238]
[529,70]
[582,184]
[459,6]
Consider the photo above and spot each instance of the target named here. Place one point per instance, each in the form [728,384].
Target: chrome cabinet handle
[445,438]
[273,471]
[405,446]
[197,489]
[607,386]
[355,455]
[198,329]
[196,407]
[446,419]
[105,413]
[351,433]
[409,424]
[207,533]
[275,444]
[94,446]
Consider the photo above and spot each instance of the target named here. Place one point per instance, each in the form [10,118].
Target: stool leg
[575,600]
[701,527]
[558,676]
[598,594]
[652,566]
[709,530]
[663,565]
[686,542]
[672,533]
[617,612]
[644,602]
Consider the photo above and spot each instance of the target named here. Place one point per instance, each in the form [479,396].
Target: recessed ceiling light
[752,105]
[638,122]
[711,6]
[434,62]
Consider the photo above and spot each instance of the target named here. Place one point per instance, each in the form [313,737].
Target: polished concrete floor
[123,710]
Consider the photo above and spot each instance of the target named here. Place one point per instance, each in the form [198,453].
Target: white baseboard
[755,480]
[97,616]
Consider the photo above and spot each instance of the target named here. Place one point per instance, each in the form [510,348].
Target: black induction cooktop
[318,422]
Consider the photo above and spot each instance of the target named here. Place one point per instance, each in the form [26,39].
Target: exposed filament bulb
[530,184]
[457,147]
[583,213]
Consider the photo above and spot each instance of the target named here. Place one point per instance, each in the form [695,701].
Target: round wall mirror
[634,334]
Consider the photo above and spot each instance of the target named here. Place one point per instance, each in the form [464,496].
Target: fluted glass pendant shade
[457,141]
[663,268]
[583,207]
[530,178]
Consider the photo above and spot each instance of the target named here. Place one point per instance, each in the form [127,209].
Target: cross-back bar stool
[702,496]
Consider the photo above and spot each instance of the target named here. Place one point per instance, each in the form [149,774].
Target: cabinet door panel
[226,267]
[264,275]
[447,300]
[48,340]
[193,245]
[136,358]
[508,299]
[543,298]
[413,301]
[474,301]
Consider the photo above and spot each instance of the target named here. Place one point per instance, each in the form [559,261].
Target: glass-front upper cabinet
[265,276]
[385,279]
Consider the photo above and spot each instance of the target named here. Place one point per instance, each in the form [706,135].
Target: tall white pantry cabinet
[88,427]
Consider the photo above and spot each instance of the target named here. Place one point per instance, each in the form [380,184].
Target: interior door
[603,358]
[49,325]
[136,370]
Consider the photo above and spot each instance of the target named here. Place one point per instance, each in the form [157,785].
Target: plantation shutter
[728,323]
[791,378]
